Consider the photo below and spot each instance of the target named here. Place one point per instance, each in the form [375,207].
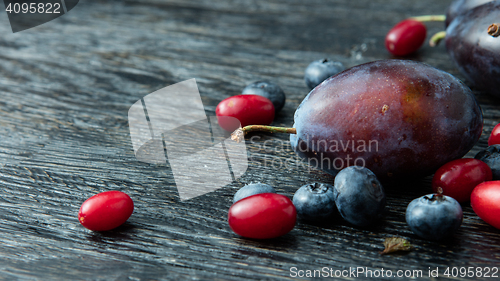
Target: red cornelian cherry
[106,210]
[495,136]
[459,177]
[485,201]
[248,109]
[405,37]
[262,216]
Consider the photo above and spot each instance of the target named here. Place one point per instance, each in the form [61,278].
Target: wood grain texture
[66,89]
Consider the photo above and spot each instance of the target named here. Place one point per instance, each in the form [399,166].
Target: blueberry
[252,189]
[359,196]
[314,202]
[434,216]
[318,71]
[269,90]
[491,156]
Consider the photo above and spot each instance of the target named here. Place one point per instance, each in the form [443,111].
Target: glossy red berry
[459,177]
[262,216]
[405,37]
[495,136]
[248,109]
[106,210]
[485,201]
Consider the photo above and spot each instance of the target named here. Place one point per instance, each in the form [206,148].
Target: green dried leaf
[395,244]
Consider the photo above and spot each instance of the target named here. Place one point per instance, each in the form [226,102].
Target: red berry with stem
[247,109]
[485,201]
[495,136]
[459,177]
[408,35]
[405,37]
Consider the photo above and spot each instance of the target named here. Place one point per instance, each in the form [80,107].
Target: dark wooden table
[66,89]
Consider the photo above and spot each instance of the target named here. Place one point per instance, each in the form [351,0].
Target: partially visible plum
[459,7]
[475,52]
[394,117]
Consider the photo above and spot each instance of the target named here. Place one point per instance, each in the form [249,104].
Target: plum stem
[239,134]
[436,38]
[429,18]
[494,29]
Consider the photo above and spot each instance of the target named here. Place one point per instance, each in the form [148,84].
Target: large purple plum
[459,7]
[475,52]
[395,117]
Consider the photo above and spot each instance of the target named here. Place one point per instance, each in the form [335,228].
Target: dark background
[66,87]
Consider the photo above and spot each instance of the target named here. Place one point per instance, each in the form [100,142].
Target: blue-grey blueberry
[319,70]
[434,216]
[252,189]
[491,156]
[314,202]
[359,196]
[268,90]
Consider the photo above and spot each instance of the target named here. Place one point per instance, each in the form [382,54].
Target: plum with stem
[394,117]
[475,51]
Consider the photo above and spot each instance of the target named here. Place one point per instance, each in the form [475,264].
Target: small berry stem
[436,38]
[239,134]
[439,195]
[440,190]
[429,18]
[494,29]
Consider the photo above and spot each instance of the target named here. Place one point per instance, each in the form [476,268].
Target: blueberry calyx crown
[436,196]
[318,187]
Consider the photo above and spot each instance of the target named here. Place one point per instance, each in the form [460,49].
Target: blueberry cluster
[357,195]
[359,198]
